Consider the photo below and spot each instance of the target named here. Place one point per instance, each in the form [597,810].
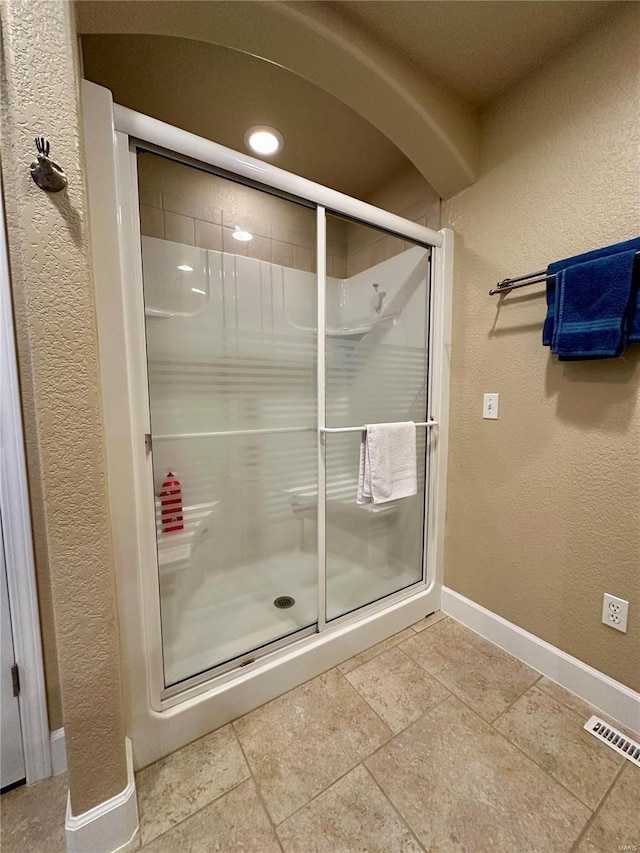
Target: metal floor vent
[613,738]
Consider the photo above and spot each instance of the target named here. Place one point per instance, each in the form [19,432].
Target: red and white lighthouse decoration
[171,504]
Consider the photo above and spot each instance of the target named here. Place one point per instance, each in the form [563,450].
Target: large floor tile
[352,815]
[566,698]
[552,735]
[428,621]
[482,675]
[617,825]
[578,705]
[461,786]
[234,823]
[397,688]
[175,787]
[32,818]
[302,742]
[373,651]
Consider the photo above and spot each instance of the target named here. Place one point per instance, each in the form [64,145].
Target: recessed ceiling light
[242,236]
[263,140]
[185,268]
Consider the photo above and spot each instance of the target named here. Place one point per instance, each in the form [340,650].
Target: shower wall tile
[234,247]
[151,221]
[339,266]
[149,196]
[337,236]
[260,248]
[282,253]
[247,209]
[210,202]
[193,202]
[208,235]
[304,259]
[297,226]
[179,229]
[330,265]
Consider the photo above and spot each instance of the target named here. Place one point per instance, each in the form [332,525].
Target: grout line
[393,805]
[323,791]
[360,696]
[517,699]
[189,816]
[596,811]
[395,734]
[544,770]
[377,654]
[257,786]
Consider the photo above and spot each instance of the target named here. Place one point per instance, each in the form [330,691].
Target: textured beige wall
[59,373]
[542,512]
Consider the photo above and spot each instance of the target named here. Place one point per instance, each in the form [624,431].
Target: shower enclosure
[260,322]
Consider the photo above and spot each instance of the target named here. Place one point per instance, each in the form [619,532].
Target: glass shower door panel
[377,334]
[231,347]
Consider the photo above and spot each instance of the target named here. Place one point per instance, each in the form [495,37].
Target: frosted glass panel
[376,372]
[231,346]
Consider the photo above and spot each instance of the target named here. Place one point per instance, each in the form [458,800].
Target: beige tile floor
[433,740]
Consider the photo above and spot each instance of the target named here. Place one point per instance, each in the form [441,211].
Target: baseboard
[611,697]
[58,752]
[111,826]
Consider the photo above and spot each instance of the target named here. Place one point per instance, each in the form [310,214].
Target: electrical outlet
[615,612]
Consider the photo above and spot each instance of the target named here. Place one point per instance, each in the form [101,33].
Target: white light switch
[490,407]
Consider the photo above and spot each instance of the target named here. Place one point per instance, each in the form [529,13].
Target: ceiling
[220,93]
[477,49]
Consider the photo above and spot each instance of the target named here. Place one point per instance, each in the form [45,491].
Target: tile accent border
[58,752]
[614,699]
[109,827]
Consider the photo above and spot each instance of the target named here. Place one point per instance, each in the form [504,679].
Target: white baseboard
[110,826]
[611,697]
[58,752]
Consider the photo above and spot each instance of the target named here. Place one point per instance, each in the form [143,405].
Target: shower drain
[284,601]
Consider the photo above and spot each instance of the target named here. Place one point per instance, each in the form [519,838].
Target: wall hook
[45,173]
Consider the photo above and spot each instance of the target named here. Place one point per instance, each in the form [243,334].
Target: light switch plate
[490,407]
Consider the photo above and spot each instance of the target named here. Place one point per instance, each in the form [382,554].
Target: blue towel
[558,266]
[634,311]
[592,307]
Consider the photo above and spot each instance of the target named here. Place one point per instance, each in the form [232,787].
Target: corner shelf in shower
[357,330]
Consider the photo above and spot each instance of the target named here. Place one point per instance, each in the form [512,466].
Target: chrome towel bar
[363,428]
[509,284]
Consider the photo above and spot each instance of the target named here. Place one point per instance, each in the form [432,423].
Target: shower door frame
[112,134]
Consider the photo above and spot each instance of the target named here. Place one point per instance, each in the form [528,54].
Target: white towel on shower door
[388,469]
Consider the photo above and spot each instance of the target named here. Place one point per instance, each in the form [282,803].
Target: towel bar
[509,284]
[363,428]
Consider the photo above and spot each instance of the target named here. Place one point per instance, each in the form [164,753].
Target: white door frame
[18,545]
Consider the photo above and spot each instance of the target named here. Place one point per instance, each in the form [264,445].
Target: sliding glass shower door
[231,330]
[248,559]
[377,332]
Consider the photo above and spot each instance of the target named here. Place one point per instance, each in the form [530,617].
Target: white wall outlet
[490,407]
[615,612]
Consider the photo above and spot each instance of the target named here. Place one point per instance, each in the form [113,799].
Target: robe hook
[45,173]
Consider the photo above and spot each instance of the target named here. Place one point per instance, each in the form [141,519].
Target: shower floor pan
[232,611]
